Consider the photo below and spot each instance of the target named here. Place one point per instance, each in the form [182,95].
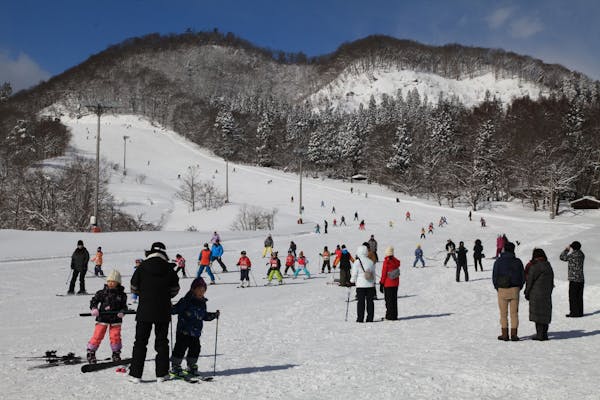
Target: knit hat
[198,282]
[576,245]
[80,243]
[114,275]
[389,251]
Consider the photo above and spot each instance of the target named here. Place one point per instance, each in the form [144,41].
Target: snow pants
[223,266]
[267,249]
[478,260]
[114,333]
[161,345]
[576,299]
[344,276]
[417,259]
[81,280]
[508,298]
[448,258]
[462,266]
[327,265]
[182,269]
[208,271]
[183,343]
[275,273]
[391,302]
[288,267]
[365,298]
[301,269]
[244,275]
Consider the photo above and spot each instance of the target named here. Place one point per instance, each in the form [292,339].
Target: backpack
[369,275]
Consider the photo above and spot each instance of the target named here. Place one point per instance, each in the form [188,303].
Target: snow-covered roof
[590,198]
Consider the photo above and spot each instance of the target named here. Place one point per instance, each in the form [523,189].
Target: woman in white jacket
[363,275]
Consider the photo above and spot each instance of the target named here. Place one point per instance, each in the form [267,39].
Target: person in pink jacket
[389,282]
[499,245]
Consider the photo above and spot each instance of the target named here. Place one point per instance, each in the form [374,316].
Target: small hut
[586,203]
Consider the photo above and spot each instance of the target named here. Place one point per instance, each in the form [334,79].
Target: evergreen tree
[264,135]
[401,156]
[229,131]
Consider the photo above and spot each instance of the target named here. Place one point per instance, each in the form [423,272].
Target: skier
[450,250]
[338,254]
[355,215]
[204,263]
[441,223]
[430,229]
[302,266]
[215,238]
[215,254]
[575,261]
[391,224]
[373,247]
[180,265]
[333,210]
[342,221]
[389,282]
[322,203]
[499,245]
[482,221]
[111,298]
[407,218]
[244,264]
[461,261]
[317,228]
[293,247]
[334,222]
[156,283]
[325,224]
[325,255]
[470,219]
[290,262]
[274,268]
[344,261]
[79,263]
[268,246]
[191,314]
[363,276]
[478,254]
[361,226]
[134,296]
[423,233]
[419,257]
[98,261]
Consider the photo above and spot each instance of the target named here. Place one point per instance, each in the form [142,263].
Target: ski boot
[192,370]
[91,356]
[176,372]
[116,356]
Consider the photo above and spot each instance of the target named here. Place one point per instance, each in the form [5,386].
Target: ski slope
[292,341]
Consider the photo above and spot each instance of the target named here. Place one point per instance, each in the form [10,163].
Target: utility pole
[125,154]
[226,181]
[97,109]
[300,202]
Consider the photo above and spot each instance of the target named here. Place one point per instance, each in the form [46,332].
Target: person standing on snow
[363,276]
[98,262]
[499,245]
[478,254]
[508,278]
[204,263]
[389,282]
[325,255]
[345,259]
[274,268]
[79,264]
[576,278]
[302,266]
[325,224]
[156,283]
[342,221]
[215,238]
[451,252]
[268,245]
[419,256]
[538,290]
[293,247]
[461,262]
[245,265]
[215,254]
[290,262]
[373,247]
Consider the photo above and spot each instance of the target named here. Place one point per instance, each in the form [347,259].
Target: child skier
[98,261]
[274,268]
[423,233]
[325,255]
[290,262]
[134,296]
[108,306]
[204,263]
[180,265]
[302,263]
[419,256]
[191,311]
[244,264]
[430,230]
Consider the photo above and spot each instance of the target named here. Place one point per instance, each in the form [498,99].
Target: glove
[218,313]
[120,314]
[95,312]
[381,287]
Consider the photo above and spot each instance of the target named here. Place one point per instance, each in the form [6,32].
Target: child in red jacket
[244,264]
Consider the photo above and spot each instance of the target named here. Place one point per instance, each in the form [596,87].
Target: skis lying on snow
[51,359]
[103,365]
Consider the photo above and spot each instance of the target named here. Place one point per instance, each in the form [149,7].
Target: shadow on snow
[251,370]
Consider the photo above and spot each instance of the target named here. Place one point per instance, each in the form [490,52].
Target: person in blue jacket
[419,256]
[191,311]
[216,252]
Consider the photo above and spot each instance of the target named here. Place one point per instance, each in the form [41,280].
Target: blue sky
[39,39]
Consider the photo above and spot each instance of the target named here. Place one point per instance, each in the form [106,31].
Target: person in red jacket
[245,265]
[290,262]
[388,284]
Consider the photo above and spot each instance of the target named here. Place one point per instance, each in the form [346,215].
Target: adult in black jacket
[540,283]
[79,264]
[451,252]
[478,254]
[508,278]
[346,261]
[461,262]
[156,283]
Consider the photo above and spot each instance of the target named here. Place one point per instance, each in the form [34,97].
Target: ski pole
[347,305]
[171,341]
[108,313]
[216,338]
[69,277]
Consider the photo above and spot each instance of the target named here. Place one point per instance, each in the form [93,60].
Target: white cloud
[497,18]
[22,72]
[525,27]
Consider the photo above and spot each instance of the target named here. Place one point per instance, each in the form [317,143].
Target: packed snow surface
[293,341]
[351,88]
